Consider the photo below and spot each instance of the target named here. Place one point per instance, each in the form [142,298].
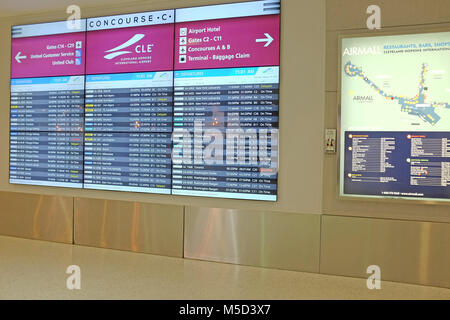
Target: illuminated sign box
[395,116]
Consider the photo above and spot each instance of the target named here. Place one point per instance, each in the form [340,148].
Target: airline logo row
[222,43]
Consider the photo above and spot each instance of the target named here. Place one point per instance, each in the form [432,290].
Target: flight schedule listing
[226,133]
[46,158]
[46,139]
[178,101]
[136,102]
[128,130]
[398,164]
[47,104]
[138,162]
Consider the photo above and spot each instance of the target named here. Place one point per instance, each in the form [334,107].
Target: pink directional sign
[46,56]
[236,42]
[135,49]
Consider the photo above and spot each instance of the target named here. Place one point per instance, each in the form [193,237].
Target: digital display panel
[237,154]
[395,116]
[182,102]
[47,105]
[128,130]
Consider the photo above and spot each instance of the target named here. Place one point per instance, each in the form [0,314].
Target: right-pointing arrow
[19,57]
[268,40]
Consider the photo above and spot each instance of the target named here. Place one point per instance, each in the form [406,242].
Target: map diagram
[416,106]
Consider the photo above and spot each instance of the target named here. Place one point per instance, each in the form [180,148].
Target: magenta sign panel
[47,56]
[135,49]
[225,43]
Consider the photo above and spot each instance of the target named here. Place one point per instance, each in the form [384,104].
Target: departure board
[128,132]
[226,101]
[395,138]
[47,105]
[237,109]
[183,102]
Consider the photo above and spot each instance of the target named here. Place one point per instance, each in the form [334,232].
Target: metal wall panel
[268,239]
[36,216]
[406,251]
[351,14]
[132,226]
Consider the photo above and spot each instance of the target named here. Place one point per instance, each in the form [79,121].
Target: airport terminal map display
[181,102]
[395,116]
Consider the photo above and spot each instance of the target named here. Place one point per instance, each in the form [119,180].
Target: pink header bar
[222,43]
[136,49]
[226,43]
[48,56]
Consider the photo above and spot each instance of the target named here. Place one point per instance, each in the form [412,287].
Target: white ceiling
[20,7]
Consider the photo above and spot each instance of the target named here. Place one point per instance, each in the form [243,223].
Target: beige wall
[349,16]
[301,120]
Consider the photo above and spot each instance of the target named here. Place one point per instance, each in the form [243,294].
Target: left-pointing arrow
[19,57]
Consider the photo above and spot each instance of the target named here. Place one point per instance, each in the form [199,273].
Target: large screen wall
[395,116]
[178,102]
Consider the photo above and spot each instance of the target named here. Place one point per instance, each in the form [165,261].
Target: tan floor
[36,270]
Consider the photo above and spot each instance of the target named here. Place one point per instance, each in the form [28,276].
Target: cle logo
[118,51]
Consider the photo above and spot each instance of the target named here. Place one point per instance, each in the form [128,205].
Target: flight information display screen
[182,102]
[47,105]
[395,123]
[128,128]
[237,109]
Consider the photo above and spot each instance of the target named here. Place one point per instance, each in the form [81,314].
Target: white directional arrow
[19,57]
[268,40]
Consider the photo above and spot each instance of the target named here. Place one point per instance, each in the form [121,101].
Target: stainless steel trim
[36,216]
[131,226]
[406,251]
[258,238]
